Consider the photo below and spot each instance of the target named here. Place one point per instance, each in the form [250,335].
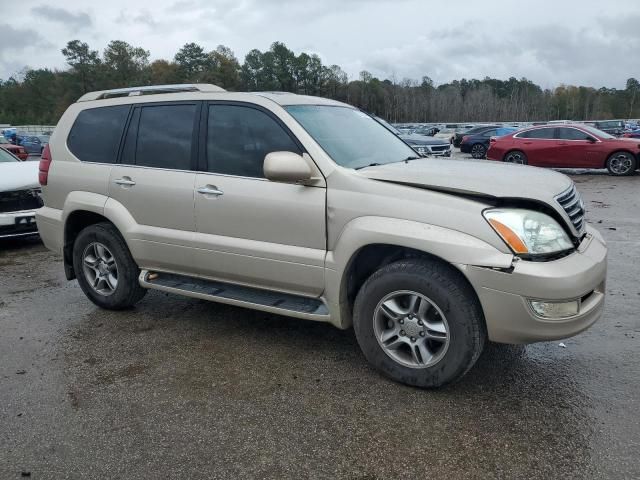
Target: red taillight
[493,139]
[45,163]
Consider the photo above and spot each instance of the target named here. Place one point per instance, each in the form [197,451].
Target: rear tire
[105,269]
[516,156]
[419,322]
[478,151]
[622,164]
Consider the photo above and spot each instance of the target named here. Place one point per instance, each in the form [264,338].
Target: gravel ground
[181,388]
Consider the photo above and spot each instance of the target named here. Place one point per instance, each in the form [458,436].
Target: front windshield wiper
[406,160]
[369,165]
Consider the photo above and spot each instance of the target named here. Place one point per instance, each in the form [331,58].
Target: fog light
[555,309]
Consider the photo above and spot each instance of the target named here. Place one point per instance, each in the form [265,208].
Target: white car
[19,196]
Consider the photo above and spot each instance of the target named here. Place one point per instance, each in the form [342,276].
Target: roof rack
[150,90]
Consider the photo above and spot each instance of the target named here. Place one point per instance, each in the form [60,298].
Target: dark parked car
[612,127]
[478,144]
[35,143]
[457,138]
[568,146]
[422,144]
[426,131]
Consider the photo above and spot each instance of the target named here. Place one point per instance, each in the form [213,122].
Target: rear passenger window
[544,133]
[240,137]
[96,133]
[164,137]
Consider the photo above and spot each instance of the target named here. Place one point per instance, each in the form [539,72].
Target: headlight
[422,150]
[528,232]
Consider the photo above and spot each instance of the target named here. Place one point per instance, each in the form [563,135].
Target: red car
[17,150]
[567,146]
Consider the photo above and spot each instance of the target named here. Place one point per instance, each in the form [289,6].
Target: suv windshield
[351,138]
[6,156]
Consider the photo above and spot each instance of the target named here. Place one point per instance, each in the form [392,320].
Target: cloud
[19,39]
[76,21]
[584,42]
[549,54]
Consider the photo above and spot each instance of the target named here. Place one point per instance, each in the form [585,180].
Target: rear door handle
[124,181]
[210,190]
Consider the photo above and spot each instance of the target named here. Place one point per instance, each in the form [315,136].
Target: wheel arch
[622,150]
[368,245]
[511,150]
[75,222]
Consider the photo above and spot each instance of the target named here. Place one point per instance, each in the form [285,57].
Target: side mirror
[591,140]
[286,167]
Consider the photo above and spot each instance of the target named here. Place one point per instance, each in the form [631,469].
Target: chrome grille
[571,201]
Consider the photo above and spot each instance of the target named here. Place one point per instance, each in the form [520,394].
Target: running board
[238,295]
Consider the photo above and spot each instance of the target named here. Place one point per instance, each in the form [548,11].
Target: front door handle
[126,181]
[210,190]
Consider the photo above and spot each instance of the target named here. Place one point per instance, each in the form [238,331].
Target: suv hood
[415,139]
[18,176]
[472,177]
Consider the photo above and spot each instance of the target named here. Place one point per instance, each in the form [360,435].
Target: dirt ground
[181,388]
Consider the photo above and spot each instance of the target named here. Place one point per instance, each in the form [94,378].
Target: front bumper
[505,296]
[18,224]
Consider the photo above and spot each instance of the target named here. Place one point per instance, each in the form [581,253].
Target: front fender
[452,246]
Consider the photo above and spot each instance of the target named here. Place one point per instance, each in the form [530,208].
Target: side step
[241,296]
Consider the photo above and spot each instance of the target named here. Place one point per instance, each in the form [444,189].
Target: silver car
[308,207]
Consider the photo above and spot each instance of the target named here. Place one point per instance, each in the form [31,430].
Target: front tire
[419,322]
[622,164]
[105,269]
[478,151]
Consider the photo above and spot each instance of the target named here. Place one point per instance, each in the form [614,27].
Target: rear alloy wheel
[105,269]
[621,164]
[478,151]
[516,157]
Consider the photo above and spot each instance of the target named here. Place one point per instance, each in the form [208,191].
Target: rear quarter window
[96,133]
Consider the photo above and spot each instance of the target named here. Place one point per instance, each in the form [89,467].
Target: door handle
[210,190]
[125,181]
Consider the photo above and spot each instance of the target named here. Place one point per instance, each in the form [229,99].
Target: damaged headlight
[528,232]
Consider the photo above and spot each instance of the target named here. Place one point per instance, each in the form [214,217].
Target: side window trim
[203,164]
[125,132]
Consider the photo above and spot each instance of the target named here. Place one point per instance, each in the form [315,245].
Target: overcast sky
[587,42]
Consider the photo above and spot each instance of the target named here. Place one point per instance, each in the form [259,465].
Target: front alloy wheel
[411,329]
[418,321]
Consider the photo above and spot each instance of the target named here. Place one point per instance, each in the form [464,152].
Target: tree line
[40,96]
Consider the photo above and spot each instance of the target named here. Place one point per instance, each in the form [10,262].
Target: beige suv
[308,207]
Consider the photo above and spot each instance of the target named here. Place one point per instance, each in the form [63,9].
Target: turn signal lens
[509,236]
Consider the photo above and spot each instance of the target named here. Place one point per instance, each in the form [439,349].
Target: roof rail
[150,90]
